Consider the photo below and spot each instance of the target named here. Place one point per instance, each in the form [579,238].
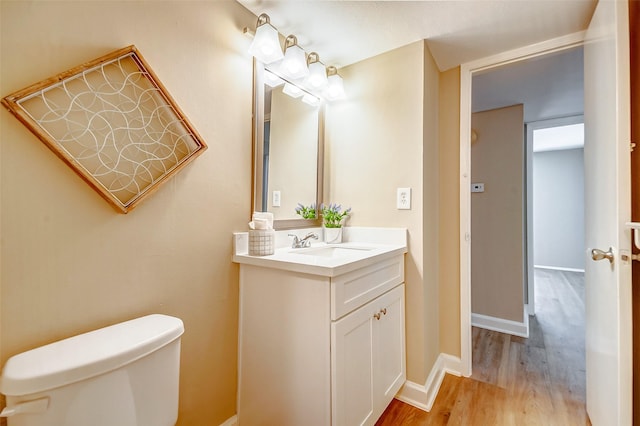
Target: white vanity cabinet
[320,349]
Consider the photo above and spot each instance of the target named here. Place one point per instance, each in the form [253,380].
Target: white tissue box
[261,242]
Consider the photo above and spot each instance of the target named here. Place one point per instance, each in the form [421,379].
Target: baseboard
[502,325]
[558,268]
[423,396]
[419,396]
[233,421]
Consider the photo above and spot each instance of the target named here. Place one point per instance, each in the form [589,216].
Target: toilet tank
[126,374]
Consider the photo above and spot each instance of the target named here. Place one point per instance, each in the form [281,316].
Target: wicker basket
[261,242]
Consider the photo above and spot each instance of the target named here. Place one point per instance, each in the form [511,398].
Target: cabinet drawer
[354,289]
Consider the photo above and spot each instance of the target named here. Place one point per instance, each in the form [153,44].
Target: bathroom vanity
[322,330]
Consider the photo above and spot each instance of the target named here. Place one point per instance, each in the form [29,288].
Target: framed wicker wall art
[113,123]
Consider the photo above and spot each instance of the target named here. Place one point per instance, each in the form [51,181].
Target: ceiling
[457,31]
[556,138]
[550,86]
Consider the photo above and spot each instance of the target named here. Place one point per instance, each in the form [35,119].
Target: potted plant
[306,212]
[332,217]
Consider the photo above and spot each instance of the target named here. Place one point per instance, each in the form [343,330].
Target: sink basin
[332,251]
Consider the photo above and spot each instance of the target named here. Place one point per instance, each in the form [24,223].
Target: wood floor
[517,381]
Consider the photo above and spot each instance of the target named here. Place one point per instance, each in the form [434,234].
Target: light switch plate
[403,201]
[276,199]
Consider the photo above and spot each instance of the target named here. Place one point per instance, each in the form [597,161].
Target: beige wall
[449,208]
[70,263]
[431,181]
[377,140]
[497,267]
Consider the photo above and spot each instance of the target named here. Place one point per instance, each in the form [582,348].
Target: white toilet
[122,375]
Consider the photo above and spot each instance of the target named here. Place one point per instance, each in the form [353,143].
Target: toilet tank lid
[87,355]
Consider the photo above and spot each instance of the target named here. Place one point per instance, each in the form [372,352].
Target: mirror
[288,137]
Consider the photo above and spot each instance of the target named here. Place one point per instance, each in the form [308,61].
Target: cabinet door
[368,360]
[352,394]
[389,349]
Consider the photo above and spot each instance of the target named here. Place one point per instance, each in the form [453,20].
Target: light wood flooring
[517,381]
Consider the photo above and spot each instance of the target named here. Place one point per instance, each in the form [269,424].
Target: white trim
[423,396]
[527,52]
[414,395]
[529,282]
[528,308]
[502,325]
[558,268]
[466,73]
[233,421]
[556,122]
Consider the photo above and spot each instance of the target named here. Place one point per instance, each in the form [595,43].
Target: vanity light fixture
[317,78]
[272,80]
[292,90]
[294,64]
[335,89]
[266,42]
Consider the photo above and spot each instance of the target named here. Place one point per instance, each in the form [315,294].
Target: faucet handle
[296,241]
[295,237]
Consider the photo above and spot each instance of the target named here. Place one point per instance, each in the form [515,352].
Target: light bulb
[266,43]
[335,89]
[293,91]
[311,100]
[272,80]
[294,64]
[317,75]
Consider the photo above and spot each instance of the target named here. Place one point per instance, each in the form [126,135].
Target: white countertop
[363,247]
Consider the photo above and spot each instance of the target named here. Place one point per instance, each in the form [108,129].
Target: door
[368,358]
[607,209]
[352,391]
[389,350]
[634,26]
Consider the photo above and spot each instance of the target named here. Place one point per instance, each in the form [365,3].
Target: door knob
[597,254]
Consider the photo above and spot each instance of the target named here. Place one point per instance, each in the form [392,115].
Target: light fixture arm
[290,41]
[312,58]
[263,19]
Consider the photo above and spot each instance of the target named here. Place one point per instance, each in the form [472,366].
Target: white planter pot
[332,235]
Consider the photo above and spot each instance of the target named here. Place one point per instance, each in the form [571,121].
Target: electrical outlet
[276,199]
[403,201]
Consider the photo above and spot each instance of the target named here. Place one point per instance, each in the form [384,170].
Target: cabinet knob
[384,311]
[377,316]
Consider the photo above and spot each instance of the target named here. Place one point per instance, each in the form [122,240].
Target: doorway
[539,93]
[469,71]
[555,199]
[607,207]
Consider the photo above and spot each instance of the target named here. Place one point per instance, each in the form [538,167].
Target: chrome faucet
[303,242]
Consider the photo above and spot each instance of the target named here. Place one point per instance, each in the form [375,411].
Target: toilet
[125,375]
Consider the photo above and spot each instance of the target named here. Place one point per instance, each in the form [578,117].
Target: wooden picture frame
[113,123]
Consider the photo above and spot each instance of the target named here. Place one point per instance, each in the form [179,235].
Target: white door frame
[466,73]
